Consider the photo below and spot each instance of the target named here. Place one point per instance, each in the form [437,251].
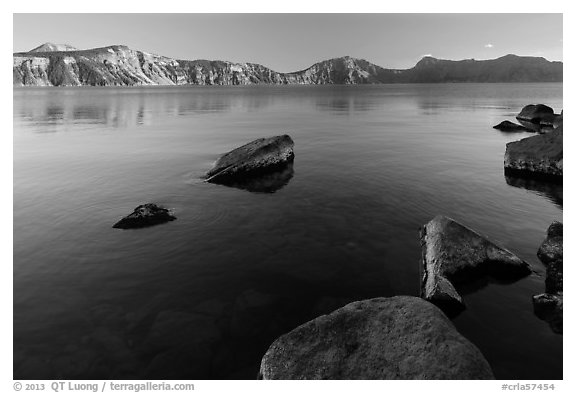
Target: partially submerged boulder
[508,126]
[549,123]
[402,337]
[551,249]
[144,216]
[534,112]
[261,156]
[537,116]
[539,156]
[454,254]
[550,308]
[549,305]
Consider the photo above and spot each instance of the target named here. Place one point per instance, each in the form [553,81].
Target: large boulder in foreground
[255,158]
[144,216]
[549,305]
[454,254]
[401,337]
[537,117]
[539,156]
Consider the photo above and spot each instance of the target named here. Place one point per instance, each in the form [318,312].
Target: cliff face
[109,66]
[343,71]
[62,65]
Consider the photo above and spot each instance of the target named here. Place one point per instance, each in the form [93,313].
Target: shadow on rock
[268,181]
[550,190]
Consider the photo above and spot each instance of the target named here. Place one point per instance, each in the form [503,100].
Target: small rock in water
[511,127]
[145,215]
[255,158]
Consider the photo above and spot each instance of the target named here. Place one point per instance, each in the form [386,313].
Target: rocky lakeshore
[539,118]
[352,332]
[538,156]
[549,305]
[372,339]
[399,337]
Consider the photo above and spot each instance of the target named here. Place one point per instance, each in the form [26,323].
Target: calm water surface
[205,295]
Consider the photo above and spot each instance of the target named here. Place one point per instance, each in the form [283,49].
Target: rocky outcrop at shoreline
[539,118]
[400,337]
[549,305]
[453,254]
[257,158]
[144,216]
[539,156]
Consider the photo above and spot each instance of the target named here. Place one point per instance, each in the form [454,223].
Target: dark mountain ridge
[118,65]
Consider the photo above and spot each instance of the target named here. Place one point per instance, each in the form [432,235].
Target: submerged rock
[181,330]
[401,337]
[180,364]
[549,306]
[258,157]
[511,127]
[454,254]
[145,215]
[538,156]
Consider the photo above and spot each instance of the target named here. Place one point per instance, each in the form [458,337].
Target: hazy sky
[290,42]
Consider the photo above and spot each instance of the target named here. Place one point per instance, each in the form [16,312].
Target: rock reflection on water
[550,190]
[268,182]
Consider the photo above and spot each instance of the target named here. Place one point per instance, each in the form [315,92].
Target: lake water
[204,296]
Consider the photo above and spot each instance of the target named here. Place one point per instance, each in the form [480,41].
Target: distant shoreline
[121,66]
[271,85]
